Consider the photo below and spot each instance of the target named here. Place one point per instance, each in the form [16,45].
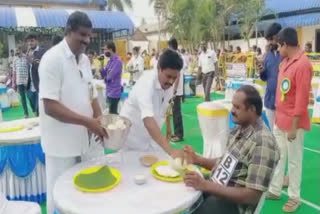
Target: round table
[22,162]
[153,197]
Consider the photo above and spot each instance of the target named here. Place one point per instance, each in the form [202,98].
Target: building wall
[309,35]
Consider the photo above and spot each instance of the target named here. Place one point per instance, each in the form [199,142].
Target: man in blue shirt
[269,71]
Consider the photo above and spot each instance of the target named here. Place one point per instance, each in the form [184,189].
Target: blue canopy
[11,17]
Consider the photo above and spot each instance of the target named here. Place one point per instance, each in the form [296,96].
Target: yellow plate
[11,129]
[114,172]
[163,178]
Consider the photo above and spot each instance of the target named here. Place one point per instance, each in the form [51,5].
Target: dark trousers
[22,89]
[177,117]
[33,98]
[214,205]
[207,84]
[113,105]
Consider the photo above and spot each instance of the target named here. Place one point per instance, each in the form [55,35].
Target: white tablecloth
[23,174]
[153,197]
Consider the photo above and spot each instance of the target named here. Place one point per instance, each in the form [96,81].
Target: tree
[249,14]
[119,4]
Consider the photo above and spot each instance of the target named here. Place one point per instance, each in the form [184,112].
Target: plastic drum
[187,89]
[214,125]
[4,99]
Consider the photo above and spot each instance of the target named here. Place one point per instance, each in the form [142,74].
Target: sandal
[291,206]
[176,139]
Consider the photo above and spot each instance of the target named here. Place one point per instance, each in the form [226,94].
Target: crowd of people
[254,161]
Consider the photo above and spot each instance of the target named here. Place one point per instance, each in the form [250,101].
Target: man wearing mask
[207,65]
[112,76]
[269,71]
[34,56]
[69,109]
[136,65]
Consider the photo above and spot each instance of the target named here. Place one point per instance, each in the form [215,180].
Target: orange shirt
[298,71]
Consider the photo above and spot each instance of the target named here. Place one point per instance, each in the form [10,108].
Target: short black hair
[31,36]
[238,48]
[288,36]
[136,49]
[77,19]
[129,53]
[170,59]
[173,43]
[111,45]
[253,98]
[272,30]
[309,45]
[183,51]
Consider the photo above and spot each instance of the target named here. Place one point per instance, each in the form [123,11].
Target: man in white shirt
[207,65]
[178,94]
[68,105]
[147,104]
[135,65]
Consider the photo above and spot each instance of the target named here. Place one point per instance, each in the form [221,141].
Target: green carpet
[310,187]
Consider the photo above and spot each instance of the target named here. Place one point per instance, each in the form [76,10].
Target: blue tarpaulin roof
[280,6]
[81,2]
[57,17]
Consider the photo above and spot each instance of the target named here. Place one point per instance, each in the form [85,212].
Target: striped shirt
[21,68]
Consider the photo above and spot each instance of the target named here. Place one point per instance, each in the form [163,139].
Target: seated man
[244,172]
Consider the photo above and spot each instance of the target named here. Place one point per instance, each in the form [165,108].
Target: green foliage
[119,4]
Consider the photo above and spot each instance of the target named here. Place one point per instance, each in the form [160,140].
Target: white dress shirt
[146,99]
[207,61]
[70,83]
[136,64]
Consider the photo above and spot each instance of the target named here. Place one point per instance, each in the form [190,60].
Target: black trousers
[22,89]
[113,105]
[207,83]
[215,205]
[177,117]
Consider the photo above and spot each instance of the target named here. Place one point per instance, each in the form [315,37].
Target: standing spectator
[112,76]
[11,60]
[154,61]
[308,47]
[178,94]
[269,71]
[34,56]
[21,68]
[56,40]
[207,66]
[135,65]
[292,116]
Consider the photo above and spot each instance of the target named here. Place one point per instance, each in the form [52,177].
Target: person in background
[95,65]
[308,47]
[208,64]
[254,49]
[230,49]
[291,116]
[177,99]
[21,69]
[69,109]
[154,61]
[11,60]
[269,71]
[34,55]
[240,177]
[135,65]
[259,56]
[112,76]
